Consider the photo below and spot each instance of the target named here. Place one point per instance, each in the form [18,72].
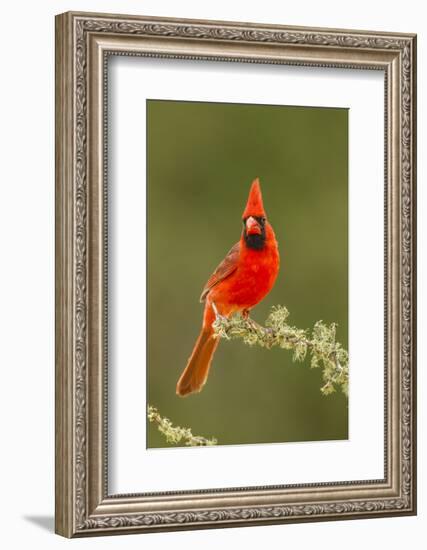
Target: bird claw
[218,316]
[252,324]
[245,314]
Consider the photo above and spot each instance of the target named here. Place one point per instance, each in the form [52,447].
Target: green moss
[176,434]
[320,343]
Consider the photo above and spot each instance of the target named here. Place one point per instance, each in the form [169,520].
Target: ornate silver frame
[83,42]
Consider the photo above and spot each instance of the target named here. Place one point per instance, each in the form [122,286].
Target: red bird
[242,280]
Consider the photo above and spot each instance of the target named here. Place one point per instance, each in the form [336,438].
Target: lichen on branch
[320,343]
[176,434]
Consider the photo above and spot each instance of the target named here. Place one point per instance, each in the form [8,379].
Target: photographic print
[235,274]
[247,237]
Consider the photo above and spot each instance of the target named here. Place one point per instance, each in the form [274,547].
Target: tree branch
[324,350]
[176,434]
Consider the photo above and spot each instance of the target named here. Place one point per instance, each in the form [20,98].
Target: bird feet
[252,324]
[245,314]
[217,314]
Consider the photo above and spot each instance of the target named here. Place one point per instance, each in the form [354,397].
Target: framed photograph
[235,274]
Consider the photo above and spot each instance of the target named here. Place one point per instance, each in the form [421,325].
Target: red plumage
[242,280]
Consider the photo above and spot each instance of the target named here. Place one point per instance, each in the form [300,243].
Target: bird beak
[252,227]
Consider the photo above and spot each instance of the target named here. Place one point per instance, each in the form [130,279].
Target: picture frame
[84,42]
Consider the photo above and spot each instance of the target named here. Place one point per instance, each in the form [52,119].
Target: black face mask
[256,242]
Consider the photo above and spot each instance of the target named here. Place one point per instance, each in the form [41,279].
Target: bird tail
[196,372]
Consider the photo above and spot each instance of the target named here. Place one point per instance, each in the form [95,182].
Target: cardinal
[240,282]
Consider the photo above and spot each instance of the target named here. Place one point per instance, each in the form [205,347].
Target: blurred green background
[201,160]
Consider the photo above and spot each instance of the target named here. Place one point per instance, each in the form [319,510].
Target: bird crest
[254,206]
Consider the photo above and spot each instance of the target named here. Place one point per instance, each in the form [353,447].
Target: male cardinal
[242,280]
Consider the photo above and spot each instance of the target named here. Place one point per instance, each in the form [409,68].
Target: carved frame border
[83,43]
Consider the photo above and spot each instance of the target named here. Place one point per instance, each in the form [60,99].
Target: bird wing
[225,268]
